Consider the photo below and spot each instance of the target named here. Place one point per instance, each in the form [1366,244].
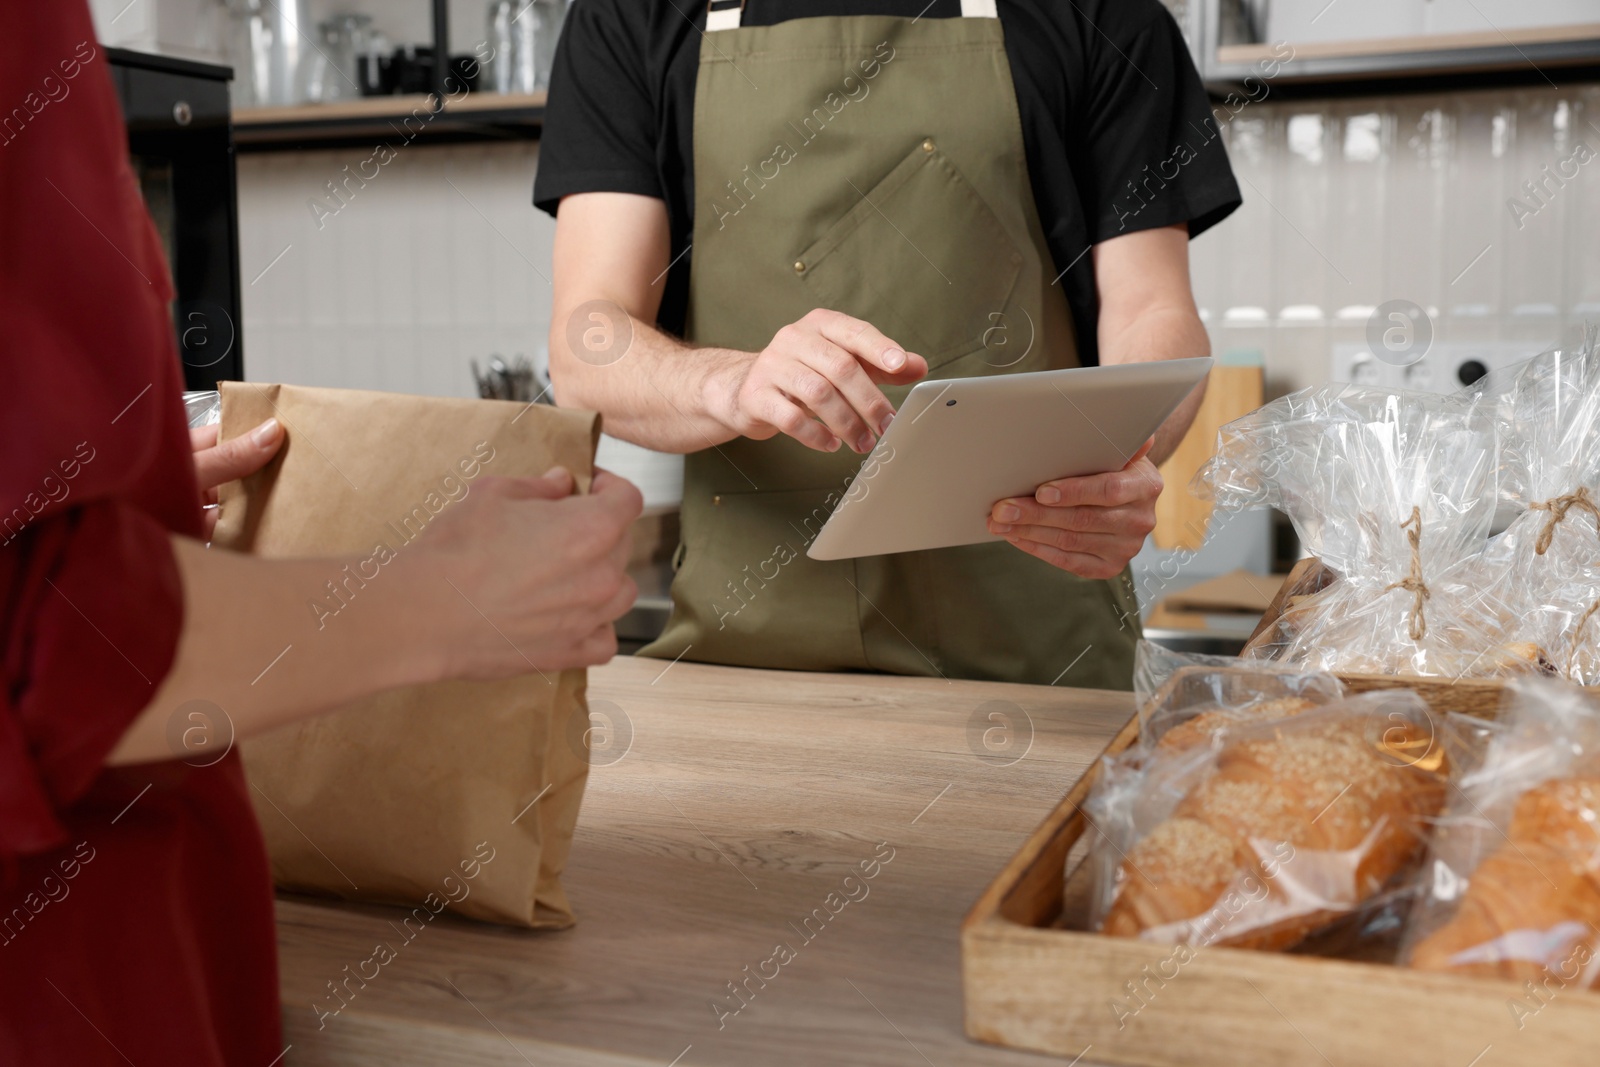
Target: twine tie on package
[1558,507]
[1577,631]
[1413,582]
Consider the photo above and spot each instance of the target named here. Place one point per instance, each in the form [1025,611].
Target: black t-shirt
[1117,127]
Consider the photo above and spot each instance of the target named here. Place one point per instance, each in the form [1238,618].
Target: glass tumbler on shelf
[552,15]
[523,34]
[247,53]
[335,71]
[500,77]
[375,67]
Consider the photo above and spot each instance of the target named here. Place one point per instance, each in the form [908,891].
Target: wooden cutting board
[1181,517]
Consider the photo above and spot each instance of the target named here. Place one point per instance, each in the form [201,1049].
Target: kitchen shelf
[475,117]
[1534,55]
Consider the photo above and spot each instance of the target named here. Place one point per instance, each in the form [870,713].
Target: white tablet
[959,445]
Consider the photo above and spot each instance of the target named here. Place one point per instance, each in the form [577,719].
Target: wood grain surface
[744,799]
[1182,517]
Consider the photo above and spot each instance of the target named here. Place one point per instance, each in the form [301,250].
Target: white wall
[193,29]
[439,259]
[1352,203]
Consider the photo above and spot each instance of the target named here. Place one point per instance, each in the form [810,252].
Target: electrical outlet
[1447,366]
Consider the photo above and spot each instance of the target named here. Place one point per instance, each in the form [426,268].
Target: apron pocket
[921,257]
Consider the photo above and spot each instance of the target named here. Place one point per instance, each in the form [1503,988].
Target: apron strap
[724,14]
[728,14]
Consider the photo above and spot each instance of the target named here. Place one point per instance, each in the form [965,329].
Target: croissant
[1533,905]
[1287,834]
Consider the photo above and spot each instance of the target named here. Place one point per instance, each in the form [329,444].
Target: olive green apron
[874,166]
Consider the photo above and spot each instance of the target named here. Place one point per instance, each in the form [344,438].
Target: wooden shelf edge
[1247,54]
[378,108]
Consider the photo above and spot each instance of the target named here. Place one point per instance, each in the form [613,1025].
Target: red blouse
[135,902]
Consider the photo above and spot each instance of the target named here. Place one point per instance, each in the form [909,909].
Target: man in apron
[827,202]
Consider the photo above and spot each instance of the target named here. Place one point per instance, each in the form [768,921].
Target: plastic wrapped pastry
[1187,700]
[1513,874]
[1276,832]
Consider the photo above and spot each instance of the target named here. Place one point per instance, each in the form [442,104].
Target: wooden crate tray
[1034,978]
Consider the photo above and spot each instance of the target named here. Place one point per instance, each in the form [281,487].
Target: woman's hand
[516,577]
[529,576]
[1090,526]
[216,464]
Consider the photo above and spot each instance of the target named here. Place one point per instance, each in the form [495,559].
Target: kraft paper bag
[458,792]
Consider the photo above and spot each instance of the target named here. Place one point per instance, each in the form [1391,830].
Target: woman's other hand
[217,464]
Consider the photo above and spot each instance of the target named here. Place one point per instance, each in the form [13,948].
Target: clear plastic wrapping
[1511,886]
[1187,699]
[1281,828]
[203,408]
[1395,493]
[1541,577]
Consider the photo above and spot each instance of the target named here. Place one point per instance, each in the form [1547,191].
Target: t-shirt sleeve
[94,464]
[600,124]
[1151,152]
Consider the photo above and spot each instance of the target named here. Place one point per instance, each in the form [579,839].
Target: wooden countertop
[745,799]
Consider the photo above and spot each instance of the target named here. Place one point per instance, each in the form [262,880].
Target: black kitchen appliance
[181,143]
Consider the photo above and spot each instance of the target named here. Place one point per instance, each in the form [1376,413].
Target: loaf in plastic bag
[1512,880]
[1541,576]
[1281,829]
[1395,493]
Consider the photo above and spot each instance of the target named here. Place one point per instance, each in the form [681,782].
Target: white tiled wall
[439,259]
[1349,204]
[192,29]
